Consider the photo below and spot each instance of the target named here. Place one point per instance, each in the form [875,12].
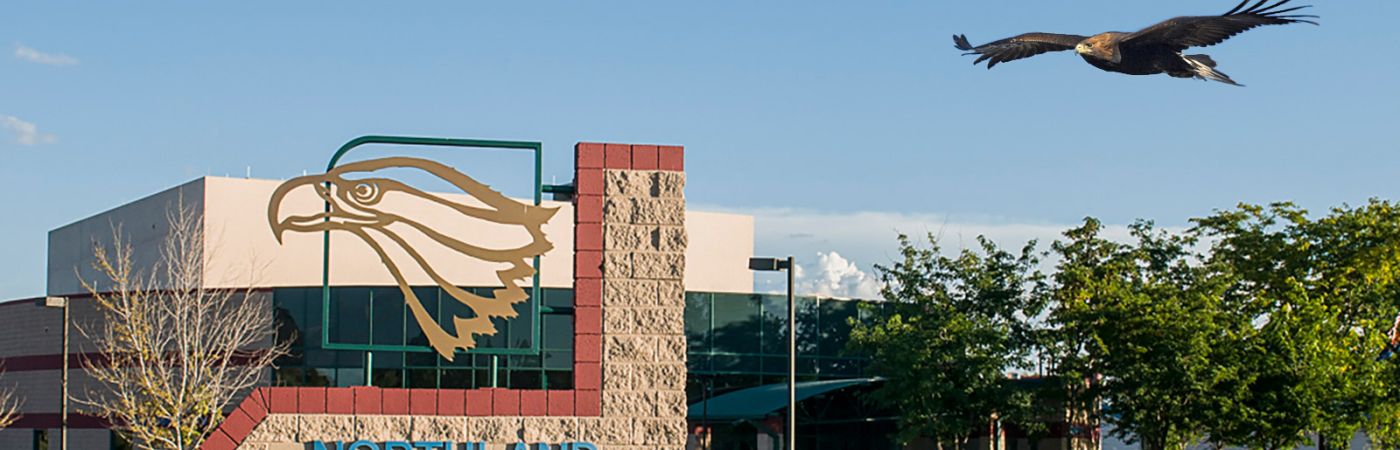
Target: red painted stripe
[52,420]
[75,361]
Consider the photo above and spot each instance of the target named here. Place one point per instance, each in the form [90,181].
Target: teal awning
[761,401]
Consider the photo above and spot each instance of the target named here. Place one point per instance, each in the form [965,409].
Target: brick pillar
[636,195]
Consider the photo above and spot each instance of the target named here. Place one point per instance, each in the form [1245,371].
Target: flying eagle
[354,196]
[1150,51]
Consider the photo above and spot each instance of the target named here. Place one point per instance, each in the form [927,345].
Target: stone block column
[635,193]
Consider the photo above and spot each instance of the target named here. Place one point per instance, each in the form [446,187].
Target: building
[644,331]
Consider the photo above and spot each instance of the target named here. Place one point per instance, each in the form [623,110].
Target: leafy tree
[1137,327]
[1321,294]
[954,327]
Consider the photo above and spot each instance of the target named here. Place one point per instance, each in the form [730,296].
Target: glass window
[287,376]
[483,378]
[420,359]
[314,316]
[558,359]
[423,378]
[736,318]
[350,308]
[320,358]
[558,298]
[559,379]
[775,365]
[558,332]
[347,377]
[519,330]
[697,321]
[456,379]
[41,439]
[450,308]
[699,363]
[290,316]
[729,383]
[428,298]
[836,327]
[774,334]
[117,442]
[387,378]
[526,379]
[389,360]
[524,361]
[736,363]
[388,309]
[319,377]
[809,326]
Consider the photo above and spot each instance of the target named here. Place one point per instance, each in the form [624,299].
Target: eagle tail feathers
[1203,67]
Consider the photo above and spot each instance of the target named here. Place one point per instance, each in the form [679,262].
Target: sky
[837,125]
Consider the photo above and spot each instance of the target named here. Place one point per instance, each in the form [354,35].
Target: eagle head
[360,201]
[1102,46]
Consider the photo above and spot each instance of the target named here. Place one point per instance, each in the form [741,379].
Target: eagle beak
[294,222]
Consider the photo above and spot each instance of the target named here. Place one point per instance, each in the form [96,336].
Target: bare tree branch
[177,352]
[9,404]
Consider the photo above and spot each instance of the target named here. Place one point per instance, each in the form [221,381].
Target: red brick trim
[452,402]
[534,403]
[644,157]
[672,158]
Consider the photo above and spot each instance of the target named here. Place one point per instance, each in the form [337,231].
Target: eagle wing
[1181,33]
[1017,47]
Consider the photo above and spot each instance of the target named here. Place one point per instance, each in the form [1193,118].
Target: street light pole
[61,302]
[792,361]
[771,265]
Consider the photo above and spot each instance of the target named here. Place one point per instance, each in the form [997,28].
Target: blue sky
[836,124]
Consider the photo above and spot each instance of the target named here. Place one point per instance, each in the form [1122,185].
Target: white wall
[243,251]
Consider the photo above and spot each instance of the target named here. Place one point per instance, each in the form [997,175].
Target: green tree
[953,327]
[1135,329]
[1320,294]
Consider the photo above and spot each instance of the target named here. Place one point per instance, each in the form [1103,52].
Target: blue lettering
[432,445]
[363,445]
[318,445]
[397,445]
[583,446]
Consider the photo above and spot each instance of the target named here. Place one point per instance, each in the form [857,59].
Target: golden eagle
[355,204]
[1150,51]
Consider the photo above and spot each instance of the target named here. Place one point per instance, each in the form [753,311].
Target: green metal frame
[535,335]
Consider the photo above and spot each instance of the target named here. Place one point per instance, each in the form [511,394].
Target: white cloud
[26,133]
[51,59]
[834,276]
[838,245]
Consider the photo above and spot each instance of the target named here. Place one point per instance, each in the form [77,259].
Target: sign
[354,194]
[442,445]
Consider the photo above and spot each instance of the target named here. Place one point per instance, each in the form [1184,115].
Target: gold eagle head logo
[354,198]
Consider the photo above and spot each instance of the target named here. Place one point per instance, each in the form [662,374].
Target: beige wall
[142,222]
[243,251]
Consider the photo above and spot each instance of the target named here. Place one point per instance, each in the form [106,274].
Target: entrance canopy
[761,401]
